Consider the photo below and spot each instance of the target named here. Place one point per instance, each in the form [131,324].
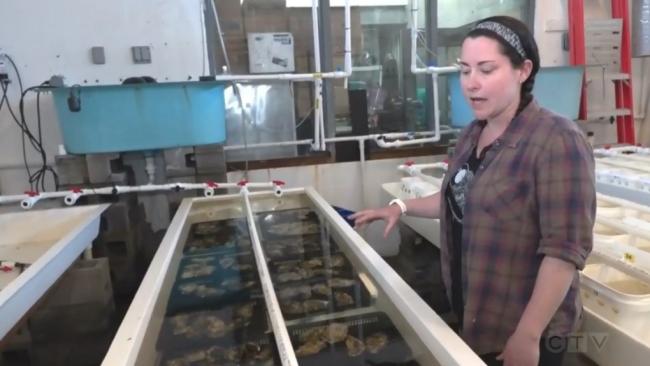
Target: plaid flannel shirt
[533,195]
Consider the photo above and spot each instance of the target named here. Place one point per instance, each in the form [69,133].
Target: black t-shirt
[455,194]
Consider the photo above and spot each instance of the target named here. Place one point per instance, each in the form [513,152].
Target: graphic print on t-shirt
[459,188]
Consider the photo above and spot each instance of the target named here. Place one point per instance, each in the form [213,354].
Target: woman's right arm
[428,207]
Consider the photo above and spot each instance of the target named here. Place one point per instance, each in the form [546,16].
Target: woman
[516,210]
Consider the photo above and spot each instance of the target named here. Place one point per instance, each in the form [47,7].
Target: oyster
[214,354]
[289,276]
[336,332]
[188,288]
[341,282]
[177,362]
[324,272]
[322,289]
[332,333]
[338,261]
[355,346]
[241,267]
[180,324]
[226,262]
[304,292]
[245,311]
[286,267]
[293,308]
[314,334]
[310,348]
[294,228]
[376,342]
[201,260]
[313,263]
[343,299]
[197,270]
[200,290]
[232,354]
[249,284]
[312,306]
[213,326]
[274,252]
[235,284]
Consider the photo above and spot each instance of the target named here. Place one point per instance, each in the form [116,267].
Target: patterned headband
[505,33]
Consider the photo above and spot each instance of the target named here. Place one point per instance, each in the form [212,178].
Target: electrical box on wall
[270,53]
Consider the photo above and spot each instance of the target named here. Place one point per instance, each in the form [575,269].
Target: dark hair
[528,43]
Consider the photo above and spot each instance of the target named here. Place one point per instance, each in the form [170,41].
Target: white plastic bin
[618,297]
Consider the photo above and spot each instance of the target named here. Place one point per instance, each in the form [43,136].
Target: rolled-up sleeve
[566,197]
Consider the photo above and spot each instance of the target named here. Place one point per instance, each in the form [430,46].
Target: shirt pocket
[505,199]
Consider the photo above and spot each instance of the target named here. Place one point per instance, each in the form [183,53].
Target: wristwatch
[400,203]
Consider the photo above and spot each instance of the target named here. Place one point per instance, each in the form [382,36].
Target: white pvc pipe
[414,47]
[291,77]
[70,197]
[215,14]
[319,125]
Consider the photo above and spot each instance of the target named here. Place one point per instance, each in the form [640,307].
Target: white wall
[54,37]
[551,21]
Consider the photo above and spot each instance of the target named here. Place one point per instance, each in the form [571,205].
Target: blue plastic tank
[556,88]
[134,117]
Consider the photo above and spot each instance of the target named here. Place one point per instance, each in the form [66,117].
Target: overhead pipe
[319,124]
[434,71]
[70,197]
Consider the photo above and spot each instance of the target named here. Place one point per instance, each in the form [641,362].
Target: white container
[613,239]
[618,297]
[602,229]
[611,212]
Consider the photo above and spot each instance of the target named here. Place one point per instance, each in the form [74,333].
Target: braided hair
[527,42]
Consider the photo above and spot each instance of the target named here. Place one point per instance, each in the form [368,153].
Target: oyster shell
[376,342]
[332,333]
[322,289]
[294,228]
[341,283]
[197,270]
[226,262]
[180,324]
[293,308]
[310,348]
[313,263]
[312,306]
[289,276]
[303,292]
[355,346]
[245,311]
[343,299]
[214,327]
[336,332]
[338,260]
